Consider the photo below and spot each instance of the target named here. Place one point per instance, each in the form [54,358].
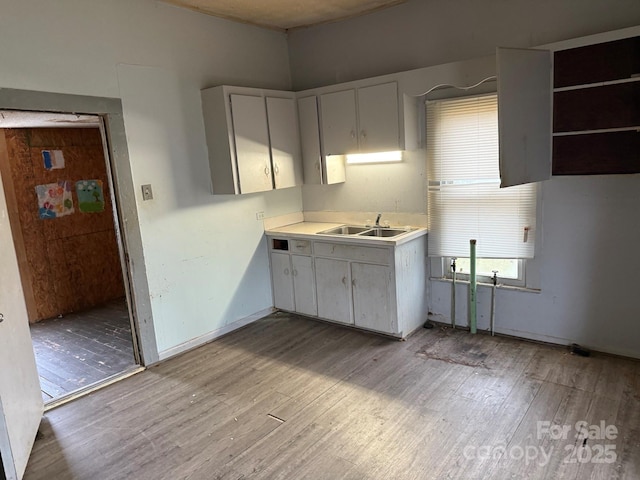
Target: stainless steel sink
[384,232]
[344,230]
[365,231]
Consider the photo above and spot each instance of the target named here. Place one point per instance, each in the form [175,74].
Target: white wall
[373,188]
[398,187]
[205,255]
[587,270]
[419,33]
[588,235]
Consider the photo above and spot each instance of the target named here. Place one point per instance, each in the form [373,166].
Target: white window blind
[465,200]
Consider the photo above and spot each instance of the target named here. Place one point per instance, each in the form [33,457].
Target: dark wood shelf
[597,153]
[587,114]
[597,63]
[596,108]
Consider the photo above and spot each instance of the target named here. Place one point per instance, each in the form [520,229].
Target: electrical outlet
[147,193]
[259,215]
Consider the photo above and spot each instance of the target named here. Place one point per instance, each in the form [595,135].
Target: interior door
[21,405]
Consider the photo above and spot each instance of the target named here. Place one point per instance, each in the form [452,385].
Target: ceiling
[285,14]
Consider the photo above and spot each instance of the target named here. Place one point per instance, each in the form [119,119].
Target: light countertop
[309,231]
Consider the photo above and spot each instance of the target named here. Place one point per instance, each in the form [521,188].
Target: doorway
[59,189]
[21,405]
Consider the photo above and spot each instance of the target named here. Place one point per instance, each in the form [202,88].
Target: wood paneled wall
[68,263]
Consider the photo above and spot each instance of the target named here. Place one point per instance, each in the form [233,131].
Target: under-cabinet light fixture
[378,157]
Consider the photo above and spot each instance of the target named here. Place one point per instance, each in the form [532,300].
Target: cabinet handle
[363,134]
[353,134]
[276,169]
[286,271]
[295,272]
[353,282]
[344,281]
[318,166]
[266,171]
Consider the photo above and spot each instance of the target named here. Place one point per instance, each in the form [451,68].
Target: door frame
[124,198]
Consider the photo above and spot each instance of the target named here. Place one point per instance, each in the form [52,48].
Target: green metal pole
[472,287]
[453,293]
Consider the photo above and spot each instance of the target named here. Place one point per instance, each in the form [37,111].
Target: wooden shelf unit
[596,109]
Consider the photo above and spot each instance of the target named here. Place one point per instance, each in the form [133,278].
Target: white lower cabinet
[333,282]
[282,281]
[372,297]
[304,285]
[378,288]
[293,281]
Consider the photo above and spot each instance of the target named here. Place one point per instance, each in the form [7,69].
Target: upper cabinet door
[251,137]
[378,118]
[317,170]
[285,142]
[524,115]
[339,128]
[310,140]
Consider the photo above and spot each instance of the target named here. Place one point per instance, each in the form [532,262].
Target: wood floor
[82,348]
[291,398]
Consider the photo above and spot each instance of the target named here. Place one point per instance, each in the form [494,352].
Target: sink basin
[384,232]
[365,231]
[344,230]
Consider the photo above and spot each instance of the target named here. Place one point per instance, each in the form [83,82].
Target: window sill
[500,286]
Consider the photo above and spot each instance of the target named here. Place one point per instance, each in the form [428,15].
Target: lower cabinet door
[372,307]
[333,281]
[281,278]
[304,285]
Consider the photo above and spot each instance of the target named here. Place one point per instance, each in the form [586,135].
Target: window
[465,200]
[509,270]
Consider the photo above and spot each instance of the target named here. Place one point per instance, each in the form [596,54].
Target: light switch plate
[147,193]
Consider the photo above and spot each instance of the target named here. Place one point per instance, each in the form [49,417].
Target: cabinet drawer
[352,252]
[300,246]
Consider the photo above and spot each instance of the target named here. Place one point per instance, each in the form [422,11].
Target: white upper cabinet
[339,122]
[285,142]
[378,115]
[252,138]
[361,120]
[524,115]
[310,140]
[317,170]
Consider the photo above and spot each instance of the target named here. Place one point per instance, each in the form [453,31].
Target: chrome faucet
[378,220]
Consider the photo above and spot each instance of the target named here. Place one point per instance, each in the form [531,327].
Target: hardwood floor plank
[83,348]
[286,397]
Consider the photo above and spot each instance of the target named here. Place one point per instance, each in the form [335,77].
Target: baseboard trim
[209,337]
